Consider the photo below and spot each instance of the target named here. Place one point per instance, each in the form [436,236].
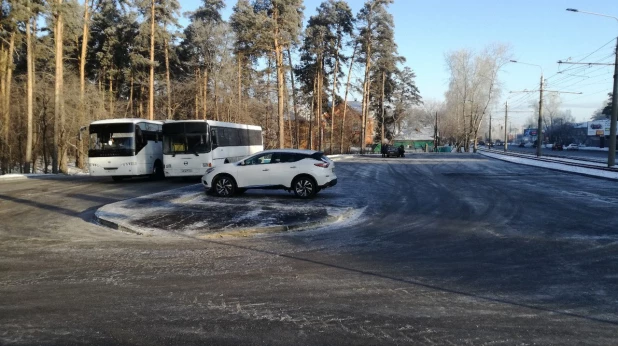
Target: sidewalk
[557,166]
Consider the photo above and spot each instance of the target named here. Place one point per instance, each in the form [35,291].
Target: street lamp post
[539,133]
[611,156]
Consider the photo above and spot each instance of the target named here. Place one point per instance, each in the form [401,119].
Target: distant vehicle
[498,143]
[482,143]
[304,172]
[557,146]
[572,146]
[393,151]
[190,147]
[522,145]
[124,148]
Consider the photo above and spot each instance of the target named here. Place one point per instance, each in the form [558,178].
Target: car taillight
[322,164]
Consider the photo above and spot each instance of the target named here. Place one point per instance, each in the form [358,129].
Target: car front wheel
[224,186]
[304,187]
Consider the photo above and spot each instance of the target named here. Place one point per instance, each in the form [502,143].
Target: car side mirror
[241,163]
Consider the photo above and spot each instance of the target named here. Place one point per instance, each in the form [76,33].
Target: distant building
[415,138]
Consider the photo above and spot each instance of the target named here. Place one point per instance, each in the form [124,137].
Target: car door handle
[265,169]
[293,167]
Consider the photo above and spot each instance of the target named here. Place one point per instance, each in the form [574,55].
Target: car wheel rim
[304,188]
[224,187]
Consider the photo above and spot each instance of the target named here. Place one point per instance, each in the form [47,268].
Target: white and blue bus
[191,146]
[122,148]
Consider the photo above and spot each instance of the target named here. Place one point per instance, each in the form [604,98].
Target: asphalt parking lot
[449,249]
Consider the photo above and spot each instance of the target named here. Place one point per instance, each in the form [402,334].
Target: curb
[114,225]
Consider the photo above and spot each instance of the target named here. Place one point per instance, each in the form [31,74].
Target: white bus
[191,146]
[121,148]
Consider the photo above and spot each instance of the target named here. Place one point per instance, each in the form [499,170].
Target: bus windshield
[185,138]
[112,137]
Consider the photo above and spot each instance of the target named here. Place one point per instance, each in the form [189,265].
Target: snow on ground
[593,149]
[555,166]
[14,176]
[188,211]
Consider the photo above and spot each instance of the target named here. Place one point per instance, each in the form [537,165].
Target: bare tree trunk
[58,147]
[152,62]
[29,93]
[296,120]
[280,79]
[111,94]
[268,103]
[140,108]
[365,109]
[168,84]
[345,98]
[82,85]
[313,104]
[7,78]
[239,86]
[205,93]
[318,118]
[215,98]
[130,103]
[332,103]
[198,91]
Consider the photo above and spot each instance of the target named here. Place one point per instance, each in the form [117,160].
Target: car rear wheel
[224,186]
[305,187]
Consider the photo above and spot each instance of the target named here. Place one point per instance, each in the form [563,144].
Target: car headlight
[209,170]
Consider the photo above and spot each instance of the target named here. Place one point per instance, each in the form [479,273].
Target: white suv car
[305,172]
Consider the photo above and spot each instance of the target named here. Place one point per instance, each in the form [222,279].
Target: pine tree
[282,19]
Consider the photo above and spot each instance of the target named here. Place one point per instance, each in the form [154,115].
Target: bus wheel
[117,178]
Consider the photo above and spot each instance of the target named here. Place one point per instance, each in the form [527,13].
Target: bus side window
[139,139]
[213,135]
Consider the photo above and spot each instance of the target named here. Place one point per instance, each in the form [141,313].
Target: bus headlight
[168,166]
[204,164]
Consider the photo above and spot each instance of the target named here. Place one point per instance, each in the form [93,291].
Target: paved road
[452,249]
[600,156]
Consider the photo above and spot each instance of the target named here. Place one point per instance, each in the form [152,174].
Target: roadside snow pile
[555,166]
[13,176]
[593,149]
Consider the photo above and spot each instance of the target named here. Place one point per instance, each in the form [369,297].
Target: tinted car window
[288,157]
[259,160]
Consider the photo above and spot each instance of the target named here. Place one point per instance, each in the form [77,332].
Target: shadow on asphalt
[417,283]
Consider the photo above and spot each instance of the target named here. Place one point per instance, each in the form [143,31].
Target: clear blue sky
[539,32]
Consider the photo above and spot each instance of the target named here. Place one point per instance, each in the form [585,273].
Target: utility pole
[539,131]
[490,131]
[506,117]
[611,155]
[435,135]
